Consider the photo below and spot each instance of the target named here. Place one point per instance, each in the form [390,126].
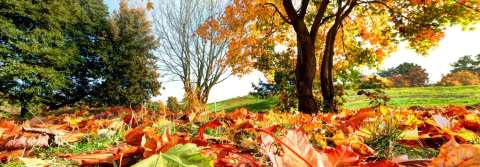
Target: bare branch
[277,10]
[190,58]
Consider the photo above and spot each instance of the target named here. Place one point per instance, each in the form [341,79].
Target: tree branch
[393,12]
[284,18]
[303,9]
[291,12]
[319,19]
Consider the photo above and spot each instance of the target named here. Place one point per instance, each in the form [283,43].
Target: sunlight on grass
[400,97]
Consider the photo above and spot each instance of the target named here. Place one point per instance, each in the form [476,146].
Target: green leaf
[182,155]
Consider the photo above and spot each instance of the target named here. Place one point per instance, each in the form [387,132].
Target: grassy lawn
[400,97]
[250,102]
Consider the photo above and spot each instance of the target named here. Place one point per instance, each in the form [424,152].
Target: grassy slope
[400,97]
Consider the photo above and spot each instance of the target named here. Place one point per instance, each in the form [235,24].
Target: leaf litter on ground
[367,137]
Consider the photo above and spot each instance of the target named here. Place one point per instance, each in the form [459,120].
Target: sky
[456,43]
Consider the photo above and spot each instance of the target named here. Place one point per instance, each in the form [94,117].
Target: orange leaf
[341,156]
[453,154]
[200,140]
[105,156]
[381,163]
[8,155]
[297,150]
[356,120]
[134,136]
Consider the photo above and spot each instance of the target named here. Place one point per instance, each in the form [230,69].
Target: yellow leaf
[34,162]
[339,138]
[384,110]
[467,135]
[409,134]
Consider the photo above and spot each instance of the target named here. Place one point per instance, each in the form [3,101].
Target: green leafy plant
[181,155]
[377,96]
[384,134]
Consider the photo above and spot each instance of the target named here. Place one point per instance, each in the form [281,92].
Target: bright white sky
[456,43]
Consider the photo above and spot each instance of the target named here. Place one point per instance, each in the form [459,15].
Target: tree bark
[305,72]
[326,71]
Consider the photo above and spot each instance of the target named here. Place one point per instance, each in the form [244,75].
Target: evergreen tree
[467,63]
[36,52]
[89,35]
[131,76]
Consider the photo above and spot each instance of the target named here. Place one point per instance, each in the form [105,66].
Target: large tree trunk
[326,71]
[305,73]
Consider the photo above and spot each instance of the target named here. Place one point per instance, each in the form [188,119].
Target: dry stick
[121,159]
[288,147]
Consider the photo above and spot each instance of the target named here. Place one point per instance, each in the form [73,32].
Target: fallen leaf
[471,122]
[453,154]
[134,136]
[200,139]
[105,156]
[381,163]
[355,121]
[441,121]
[297,150]
[34,162]
[341,156]
[409,134]
[7,155]
[181,155]
[24,142]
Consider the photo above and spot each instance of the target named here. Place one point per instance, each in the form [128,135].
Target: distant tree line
[465,71]
[58,53]
[406,75]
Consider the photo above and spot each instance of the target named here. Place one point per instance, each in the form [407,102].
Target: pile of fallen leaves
[367,137]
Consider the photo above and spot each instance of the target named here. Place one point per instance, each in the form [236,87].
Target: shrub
[156,106]
[460,78]
[173,104]
[374,83]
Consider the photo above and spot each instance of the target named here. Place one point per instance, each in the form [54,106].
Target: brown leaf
[105,156]
[134,136]
[229,155]
[150,5]
[93,159]
[240,113]
[452,111]
[24,142]
[9,155]
[453,154]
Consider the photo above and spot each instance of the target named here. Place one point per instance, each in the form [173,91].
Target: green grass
[249,102]
[423,96]
[400,97]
